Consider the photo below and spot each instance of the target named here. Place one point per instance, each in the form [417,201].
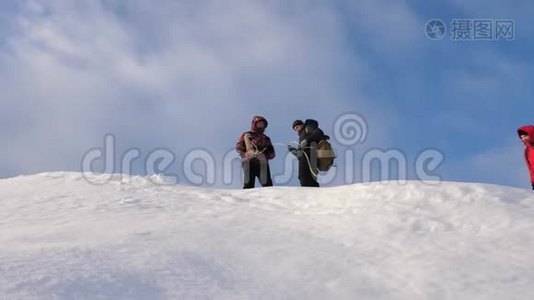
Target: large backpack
[325,155]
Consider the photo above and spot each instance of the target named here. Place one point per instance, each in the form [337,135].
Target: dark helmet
[297,122]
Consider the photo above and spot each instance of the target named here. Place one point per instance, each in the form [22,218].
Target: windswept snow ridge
[64,238]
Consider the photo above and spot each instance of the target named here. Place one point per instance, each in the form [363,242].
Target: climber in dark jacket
[309,136]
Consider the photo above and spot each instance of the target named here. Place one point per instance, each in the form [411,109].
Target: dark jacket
[261,141]
[529,149]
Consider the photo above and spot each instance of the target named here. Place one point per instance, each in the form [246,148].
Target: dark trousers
[256,168]
[305,175]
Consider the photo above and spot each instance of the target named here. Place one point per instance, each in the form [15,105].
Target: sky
[186,77]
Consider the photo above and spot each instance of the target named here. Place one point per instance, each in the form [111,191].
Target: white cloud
[391,26]
[502,164]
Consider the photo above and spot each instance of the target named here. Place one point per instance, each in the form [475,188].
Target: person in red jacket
[256,149]
[526,134]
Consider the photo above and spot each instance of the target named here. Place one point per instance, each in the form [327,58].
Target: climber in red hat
[256,149]
[526,134]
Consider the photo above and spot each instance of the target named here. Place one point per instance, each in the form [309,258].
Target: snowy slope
[63,238]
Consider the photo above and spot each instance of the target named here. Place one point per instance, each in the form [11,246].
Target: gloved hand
[260,156]
[248,155]
[254,155]
[295,151]
[303,144]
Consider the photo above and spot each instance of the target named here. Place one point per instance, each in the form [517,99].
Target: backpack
[325,155]
[311,123]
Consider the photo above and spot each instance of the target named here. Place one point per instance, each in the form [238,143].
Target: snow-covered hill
[63,238]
